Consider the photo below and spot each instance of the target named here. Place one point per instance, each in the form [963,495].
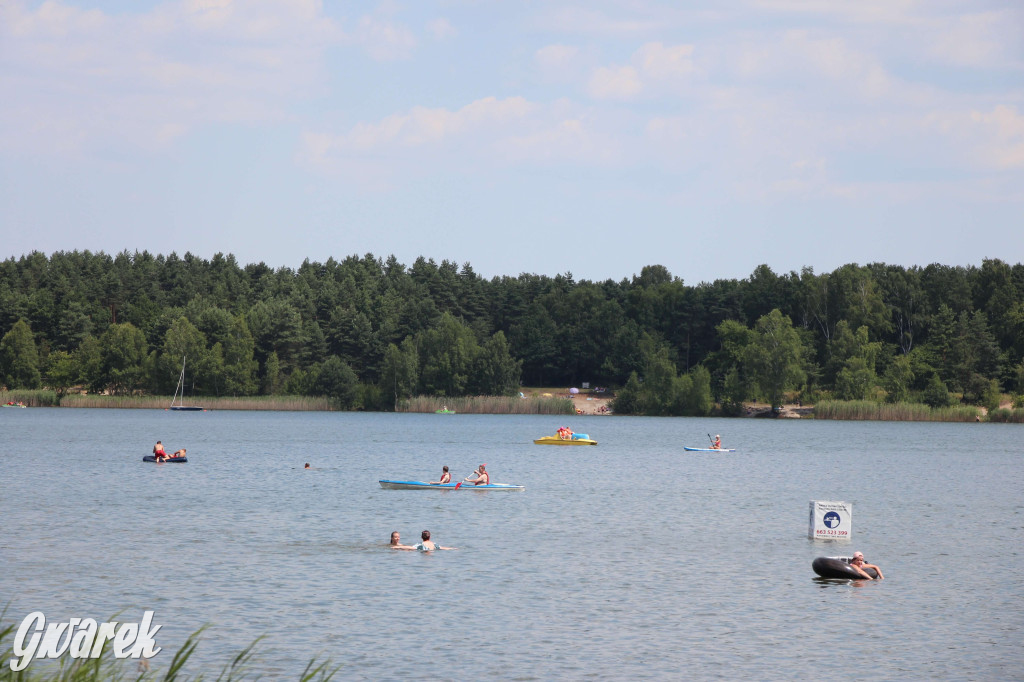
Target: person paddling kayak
[482,477]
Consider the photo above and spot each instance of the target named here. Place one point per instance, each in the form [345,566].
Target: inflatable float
[839,568]
[177,460]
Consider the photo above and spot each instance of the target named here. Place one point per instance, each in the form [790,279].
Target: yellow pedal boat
[577,439]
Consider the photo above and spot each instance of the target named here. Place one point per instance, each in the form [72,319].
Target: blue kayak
[709,449]
[421,485]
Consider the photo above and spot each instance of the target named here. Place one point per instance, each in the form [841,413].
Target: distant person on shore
[482,477]
[445,477]
[396,542]
[858,563]
[426,545]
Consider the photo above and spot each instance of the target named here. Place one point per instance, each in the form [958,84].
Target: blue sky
[545,137]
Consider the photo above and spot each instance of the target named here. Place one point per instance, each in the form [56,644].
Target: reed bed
[1006,416]
[489,404]
[867,410]
[40,398]
[106,668]
[284,403]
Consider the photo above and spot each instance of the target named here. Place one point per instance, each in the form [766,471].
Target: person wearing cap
[717,445]
[859,565]
[482,477]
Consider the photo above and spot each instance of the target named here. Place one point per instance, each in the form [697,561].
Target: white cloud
[990,39]
[661,62]
[82,78]
[486,133]
[421,126]
[382,39]
[441,29]
[557,57]
[993,140]
[620,82]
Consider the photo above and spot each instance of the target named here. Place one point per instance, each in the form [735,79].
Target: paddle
[712,440]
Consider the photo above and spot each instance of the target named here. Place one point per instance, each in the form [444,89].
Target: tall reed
[40,398]
[892,412]
[1006,416]
[264,402]
[489,404]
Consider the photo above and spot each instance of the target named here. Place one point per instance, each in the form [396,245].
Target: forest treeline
[370,332]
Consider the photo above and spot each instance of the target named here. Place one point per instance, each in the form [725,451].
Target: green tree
[399,372]
[496,371]
[898,379]
[775,357]
[240,367]
[61,373]
[337,381]
[447,353]
[183,343]
[628,399]
[122,355]
[89,363]
[19,359]
[936,394]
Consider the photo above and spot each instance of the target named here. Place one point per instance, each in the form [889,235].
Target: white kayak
[421,485]
[709,449]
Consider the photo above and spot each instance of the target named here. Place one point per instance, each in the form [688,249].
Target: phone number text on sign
[831,532]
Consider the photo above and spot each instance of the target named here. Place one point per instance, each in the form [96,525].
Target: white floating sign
[831,520]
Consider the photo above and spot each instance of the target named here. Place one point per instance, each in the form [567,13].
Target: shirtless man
[482,477]
[426,545]
[158,452]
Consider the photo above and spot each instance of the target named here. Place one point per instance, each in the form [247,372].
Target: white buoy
[831,520]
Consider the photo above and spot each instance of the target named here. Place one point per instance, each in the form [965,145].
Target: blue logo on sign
[831,519]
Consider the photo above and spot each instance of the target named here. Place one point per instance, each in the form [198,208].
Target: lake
[628,560]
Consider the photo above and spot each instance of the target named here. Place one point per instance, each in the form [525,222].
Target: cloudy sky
[587,137]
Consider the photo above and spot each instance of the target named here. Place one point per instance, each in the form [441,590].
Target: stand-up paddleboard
[709,449]
[421,485]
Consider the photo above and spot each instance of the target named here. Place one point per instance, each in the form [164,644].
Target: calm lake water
[631,559]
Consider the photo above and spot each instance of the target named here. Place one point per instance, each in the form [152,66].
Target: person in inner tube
[858,563]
